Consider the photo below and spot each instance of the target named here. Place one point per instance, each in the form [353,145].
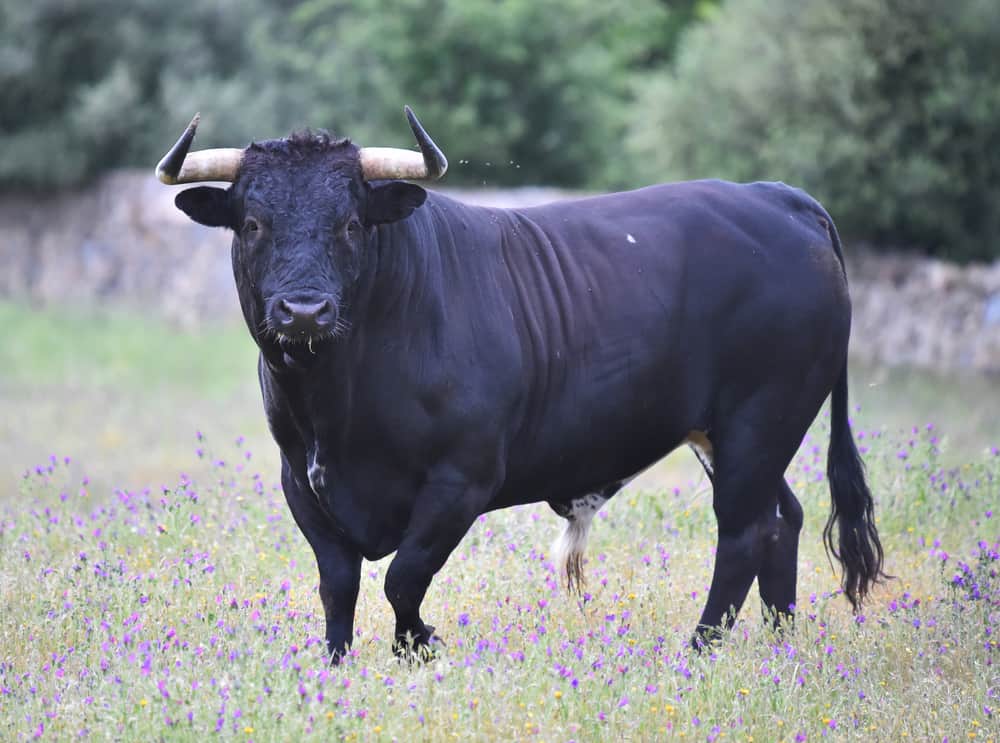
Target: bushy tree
[886,110]
[516,92]
[83,81]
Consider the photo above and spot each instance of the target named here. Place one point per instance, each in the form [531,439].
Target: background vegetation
[884,109]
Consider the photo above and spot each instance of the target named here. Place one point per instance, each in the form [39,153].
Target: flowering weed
[189,610]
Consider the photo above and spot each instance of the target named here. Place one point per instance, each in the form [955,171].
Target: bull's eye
[353,230]
[251,227]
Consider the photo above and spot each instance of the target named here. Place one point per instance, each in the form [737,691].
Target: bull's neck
[403,286]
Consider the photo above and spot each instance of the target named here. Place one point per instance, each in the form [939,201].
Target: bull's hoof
[705,637]
[419,648]
[338,656]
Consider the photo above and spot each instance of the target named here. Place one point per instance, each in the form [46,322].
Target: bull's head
[302,211]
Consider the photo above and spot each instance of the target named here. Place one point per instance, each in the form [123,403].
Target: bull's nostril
[284,313]
[325,314]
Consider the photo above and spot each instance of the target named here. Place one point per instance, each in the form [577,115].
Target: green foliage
[883,109]
[520,91]
[516,91]
[84,83]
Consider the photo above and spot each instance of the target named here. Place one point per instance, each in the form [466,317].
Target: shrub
[885,110]
[516,92]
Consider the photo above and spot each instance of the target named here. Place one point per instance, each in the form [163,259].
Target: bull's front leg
[339,581]
[338,562]
[447,506]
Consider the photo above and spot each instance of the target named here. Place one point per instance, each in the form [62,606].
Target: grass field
[153,585]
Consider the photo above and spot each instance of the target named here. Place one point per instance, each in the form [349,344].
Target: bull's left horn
[180,166]
[379,163]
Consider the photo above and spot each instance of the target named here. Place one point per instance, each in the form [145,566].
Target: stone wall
[123,242]
[925,313]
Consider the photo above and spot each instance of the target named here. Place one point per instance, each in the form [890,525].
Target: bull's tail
[857,546]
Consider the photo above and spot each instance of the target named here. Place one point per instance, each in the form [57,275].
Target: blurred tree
[517,92]
[83,80]
[883,109]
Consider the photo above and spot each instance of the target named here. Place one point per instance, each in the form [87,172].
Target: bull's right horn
[385,163]
[180,166]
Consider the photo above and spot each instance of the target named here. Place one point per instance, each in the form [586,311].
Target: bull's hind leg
[748,466]
[778,570]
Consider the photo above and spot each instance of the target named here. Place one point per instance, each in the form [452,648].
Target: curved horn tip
[191,128]
[434,159]
[169,166]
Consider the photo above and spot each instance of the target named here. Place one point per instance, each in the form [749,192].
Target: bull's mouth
[313,343]
[302,352]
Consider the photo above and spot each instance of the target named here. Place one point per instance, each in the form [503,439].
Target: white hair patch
[571,545]
[317,474]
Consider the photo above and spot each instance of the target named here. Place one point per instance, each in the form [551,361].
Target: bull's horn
[378,163]
[179,166]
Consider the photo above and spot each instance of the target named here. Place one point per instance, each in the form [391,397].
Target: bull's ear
[392,201]
[206,205]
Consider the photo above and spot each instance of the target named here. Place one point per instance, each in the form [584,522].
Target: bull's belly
[588,461]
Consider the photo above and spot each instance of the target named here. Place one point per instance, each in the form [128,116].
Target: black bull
[424,361]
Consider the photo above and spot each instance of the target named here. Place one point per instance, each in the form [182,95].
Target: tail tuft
[569,551]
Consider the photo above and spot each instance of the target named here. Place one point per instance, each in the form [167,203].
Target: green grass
[964,408]
[111,348]
[123,394]
[140,604]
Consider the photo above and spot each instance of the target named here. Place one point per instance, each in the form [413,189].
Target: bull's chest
[364,499]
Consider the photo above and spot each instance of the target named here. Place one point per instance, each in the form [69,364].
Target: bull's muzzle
[304,320]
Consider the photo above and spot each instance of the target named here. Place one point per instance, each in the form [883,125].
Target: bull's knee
[789,509]
[405,585]
[778,572]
